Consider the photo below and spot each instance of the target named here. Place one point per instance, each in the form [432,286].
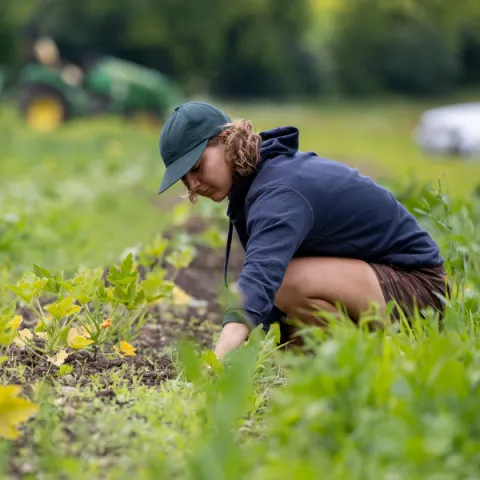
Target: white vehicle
[452,130]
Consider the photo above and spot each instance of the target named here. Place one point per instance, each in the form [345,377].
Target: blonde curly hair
[242,149]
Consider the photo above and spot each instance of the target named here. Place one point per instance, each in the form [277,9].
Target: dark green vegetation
[272,48]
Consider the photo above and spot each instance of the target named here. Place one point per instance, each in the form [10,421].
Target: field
[111,299]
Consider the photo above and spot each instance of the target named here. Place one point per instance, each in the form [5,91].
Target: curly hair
[242,149]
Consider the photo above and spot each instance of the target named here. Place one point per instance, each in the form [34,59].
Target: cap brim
[181,166]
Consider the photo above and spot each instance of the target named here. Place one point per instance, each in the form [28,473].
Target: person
[317,235]
[47,53]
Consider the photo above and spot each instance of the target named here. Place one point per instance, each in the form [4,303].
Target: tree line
[274,49]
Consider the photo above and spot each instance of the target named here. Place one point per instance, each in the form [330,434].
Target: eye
[196,167]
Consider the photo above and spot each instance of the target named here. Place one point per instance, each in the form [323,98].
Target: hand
[232,336]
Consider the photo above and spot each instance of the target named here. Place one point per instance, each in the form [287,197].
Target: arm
[233,335]
[278,221]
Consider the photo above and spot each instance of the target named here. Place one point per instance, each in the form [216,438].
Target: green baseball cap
[185,136]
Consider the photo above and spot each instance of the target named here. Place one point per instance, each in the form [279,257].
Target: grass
[376,137]
[399,404]
[87,192]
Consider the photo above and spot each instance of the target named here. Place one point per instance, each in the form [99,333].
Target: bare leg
[319,283]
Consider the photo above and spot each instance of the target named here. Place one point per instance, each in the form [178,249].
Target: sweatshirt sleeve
[277,222]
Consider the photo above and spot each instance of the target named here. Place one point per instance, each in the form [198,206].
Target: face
[211,176]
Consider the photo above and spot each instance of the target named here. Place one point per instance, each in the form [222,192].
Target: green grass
[376,137]
[399,404]
[83,194]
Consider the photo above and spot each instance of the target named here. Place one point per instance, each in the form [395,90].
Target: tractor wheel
[43,108]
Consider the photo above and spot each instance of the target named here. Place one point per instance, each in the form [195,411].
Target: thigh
[350,282]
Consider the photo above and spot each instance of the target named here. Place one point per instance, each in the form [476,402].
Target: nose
[191,181]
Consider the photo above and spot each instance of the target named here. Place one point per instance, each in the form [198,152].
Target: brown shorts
[413,287]
[407,287]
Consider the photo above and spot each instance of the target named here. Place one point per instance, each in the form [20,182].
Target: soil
[203,280]
[151,370]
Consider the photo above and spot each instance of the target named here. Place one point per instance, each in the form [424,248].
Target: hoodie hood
[275,142]
[279,141]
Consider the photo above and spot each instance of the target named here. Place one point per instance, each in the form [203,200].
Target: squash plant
[95,308]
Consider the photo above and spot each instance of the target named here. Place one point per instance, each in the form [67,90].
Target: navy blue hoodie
[298,204]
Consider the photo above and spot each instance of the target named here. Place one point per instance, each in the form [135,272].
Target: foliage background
[265,48]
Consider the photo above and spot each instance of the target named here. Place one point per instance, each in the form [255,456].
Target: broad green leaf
[155,289]
[190,361]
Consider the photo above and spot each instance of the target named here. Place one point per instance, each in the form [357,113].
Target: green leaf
[62,338]
[181,258]
[53,282]
[8,311]
[125,274]
[157,247]
[212,360]
[190,361]
[28,287]
[155,286]
[127,264]
[102,293]
[64,370]
[62,308]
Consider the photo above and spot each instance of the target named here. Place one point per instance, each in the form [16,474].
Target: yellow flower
[107,323]
[76,340]
[180,297]
[23,337]
[126,350]
[84,332]
[59,358]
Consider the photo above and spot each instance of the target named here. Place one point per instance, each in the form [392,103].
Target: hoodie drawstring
[227,252]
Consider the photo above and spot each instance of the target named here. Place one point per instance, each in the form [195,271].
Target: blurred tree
[267,48]
[415,58]
[410,46]
[264,52]
[8,44]
[470,48]
[471,55]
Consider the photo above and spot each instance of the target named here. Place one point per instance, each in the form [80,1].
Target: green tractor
[50,95]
